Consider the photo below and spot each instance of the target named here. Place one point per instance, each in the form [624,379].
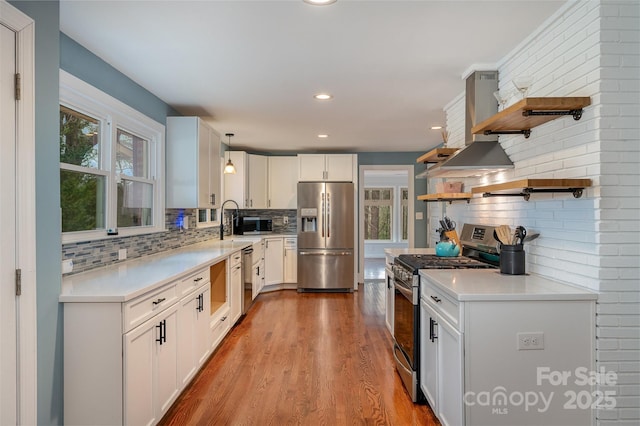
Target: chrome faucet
[232,218]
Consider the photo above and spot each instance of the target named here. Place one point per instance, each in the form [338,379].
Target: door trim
[23,26]
[411,225]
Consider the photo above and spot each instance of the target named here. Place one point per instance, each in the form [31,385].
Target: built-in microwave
[253,225]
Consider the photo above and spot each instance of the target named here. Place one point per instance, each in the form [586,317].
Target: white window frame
[113,114]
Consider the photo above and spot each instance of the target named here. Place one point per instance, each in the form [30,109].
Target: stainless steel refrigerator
[325,236]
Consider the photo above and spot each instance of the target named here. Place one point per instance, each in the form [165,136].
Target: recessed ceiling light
[322,96]
[436,127]
[319,2]
[323,136]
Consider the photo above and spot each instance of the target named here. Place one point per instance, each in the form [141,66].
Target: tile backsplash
[87,255]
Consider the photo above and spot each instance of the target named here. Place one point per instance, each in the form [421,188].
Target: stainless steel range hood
[482,153]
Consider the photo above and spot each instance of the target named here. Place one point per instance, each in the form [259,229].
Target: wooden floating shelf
[437,155]
[525,187]
[444,196]
[528,113]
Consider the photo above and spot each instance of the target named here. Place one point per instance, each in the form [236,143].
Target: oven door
[405,321]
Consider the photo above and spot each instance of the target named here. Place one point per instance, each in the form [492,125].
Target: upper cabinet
[248,186]
[283,183]
[326,167]
[192,164]
[528,113]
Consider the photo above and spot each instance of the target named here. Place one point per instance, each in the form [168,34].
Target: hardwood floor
[306,359]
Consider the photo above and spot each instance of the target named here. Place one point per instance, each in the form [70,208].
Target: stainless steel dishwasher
[247,281]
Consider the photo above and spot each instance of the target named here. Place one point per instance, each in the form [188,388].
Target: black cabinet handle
[436,299]
[163,332]
[197,279]
[159,301]
[432,329]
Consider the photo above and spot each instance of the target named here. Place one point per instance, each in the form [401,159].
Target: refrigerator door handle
[328,215]
[325,253]
[322,210]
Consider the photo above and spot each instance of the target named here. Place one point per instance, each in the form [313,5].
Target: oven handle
[408,294]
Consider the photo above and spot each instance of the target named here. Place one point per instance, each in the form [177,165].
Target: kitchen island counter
[490,284]
[124,281]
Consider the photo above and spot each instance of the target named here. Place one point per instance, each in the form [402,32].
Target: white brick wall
[589,48]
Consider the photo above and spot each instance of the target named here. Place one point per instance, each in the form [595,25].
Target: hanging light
[229,168]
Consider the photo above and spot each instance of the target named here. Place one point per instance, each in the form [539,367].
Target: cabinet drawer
[194,281]
[140,309]
[441,303]
[235,259]
[219,328]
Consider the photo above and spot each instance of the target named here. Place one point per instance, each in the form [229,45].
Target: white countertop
[127,280]
[490,284]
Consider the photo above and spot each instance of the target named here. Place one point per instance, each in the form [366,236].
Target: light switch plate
[67,266]
[419,216]
[122,254]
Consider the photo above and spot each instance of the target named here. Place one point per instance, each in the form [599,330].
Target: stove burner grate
[430,261]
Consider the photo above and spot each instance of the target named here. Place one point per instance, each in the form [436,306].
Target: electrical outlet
[530,341]
[67,266]
[122,254]
[285,219]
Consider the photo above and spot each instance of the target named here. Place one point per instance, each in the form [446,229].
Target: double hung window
[111,165]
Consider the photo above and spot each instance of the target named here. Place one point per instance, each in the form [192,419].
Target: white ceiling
[252,67]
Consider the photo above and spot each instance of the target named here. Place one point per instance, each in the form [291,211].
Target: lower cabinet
[193,335]
[126,363]
[150,368]
[274,261]
[236,290]
[389,299]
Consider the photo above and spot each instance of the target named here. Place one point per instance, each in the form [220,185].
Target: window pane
[405,222]
[79,139]
[82,198]
[213,215]
[386,194]
[132,155]
[135,202]
[202,215]
[377,222]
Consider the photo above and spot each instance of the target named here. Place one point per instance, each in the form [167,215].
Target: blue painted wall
[419,185]
[82,63]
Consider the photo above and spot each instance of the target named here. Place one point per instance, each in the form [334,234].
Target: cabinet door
[274,261]
[311,167]
[202,334]
[215,172]
[283,182]
[258,190]
[204,164]
[450,374]
[166,382]
[187,319]
[429,354]
[339,167]
[389,299]
[236,292]
[139,360]
[235,185]
[290,265]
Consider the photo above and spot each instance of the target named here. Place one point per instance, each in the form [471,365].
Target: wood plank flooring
[303,359]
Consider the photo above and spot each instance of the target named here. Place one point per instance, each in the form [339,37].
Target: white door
[283,182]
[274,261]
[339,167]
[258,191]
[450,374]
[8,330]
[17,211]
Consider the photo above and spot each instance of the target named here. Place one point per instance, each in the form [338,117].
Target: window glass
[83,202]
[79,139]
[378,214]
[404,202]
[135,203]
[132,155]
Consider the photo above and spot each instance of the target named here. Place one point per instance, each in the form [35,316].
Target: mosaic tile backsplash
[87,255]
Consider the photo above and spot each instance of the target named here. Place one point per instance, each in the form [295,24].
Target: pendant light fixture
[229,168]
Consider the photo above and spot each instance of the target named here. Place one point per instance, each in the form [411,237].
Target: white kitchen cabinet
[235,285]
[274,261]
[326,167]
[193,335]
[193,172]
[249,185]
[470,347]
[283,183]
[150,368]
[290,259]
[389,294]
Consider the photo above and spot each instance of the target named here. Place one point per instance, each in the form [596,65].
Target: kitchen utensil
[519,235]
[530,237]
[447,249]
[451,225]
[503,234]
